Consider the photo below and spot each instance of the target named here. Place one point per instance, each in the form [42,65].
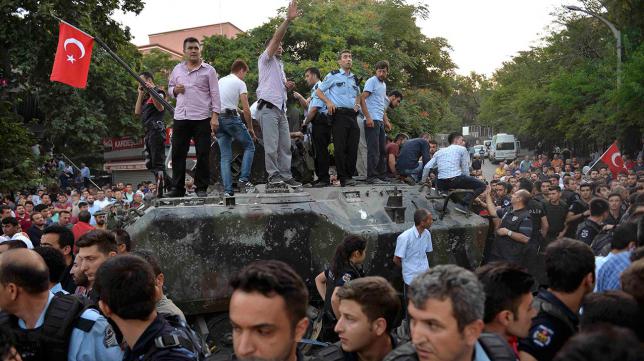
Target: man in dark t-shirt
[392,150]
[408,161]
[152,112]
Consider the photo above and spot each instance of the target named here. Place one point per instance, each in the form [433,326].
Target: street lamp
[616,33]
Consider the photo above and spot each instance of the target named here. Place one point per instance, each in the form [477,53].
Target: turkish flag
[73,55]
[613,159]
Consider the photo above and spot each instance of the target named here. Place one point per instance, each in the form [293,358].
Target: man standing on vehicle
[340,92]
[233,89]
[271,109]
[194,84]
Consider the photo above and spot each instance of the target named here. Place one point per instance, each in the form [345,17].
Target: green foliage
[18,169]
[373,30]
[565,93]
[73,120]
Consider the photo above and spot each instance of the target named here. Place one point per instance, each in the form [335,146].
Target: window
[504,146]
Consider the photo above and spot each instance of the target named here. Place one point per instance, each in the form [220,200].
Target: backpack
[51,340]
[182,335]
[496,348]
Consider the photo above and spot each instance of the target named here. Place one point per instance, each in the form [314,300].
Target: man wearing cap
[100,217]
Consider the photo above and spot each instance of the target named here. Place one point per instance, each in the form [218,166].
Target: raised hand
[292,13]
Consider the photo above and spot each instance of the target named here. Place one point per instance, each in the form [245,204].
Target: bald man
[25,295]
[513,228]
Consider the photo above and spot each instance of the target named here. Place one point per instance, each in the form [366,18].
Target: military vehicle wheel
[220,337]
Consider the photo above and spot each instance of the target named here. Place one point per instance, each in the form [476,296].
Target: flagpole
[136,76]
[598,159]
[120,61]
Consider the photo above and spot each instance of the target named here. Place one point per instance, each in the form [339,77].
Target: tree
[564,92]
[373,30]
[70,121]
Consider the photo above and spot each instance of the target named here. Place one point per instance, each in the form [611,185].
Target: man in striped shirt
[453,165]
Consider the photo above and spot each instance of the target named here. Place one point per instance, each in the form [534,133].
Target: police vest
[545,306]
[504,248]
[176,334]
[50,341]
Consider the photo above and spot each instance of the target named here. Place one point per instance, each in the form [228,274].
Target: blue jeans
[231,128]
[415,173]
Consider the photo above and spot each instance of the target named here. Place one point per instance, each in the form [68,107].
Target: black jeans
[375,137]
[182,132]
[463,182]
[346,137]
[321,135]
[155,150]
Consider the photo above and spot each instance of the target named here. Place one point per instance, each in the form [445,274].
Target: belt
[346,110]
[263,103]
[231,112]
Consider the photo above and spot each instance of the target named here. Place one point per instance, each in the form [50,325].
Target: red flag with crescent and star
[613,159]
[73,56]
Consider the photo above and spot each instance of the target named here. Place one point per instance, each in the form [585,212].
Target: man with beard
[100,218]
[340,91]
[268,312]
[271,110]
[368,310]
[35,231]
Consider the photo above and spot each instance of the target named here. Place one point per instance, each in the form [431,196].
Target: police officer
[152,112]
[321,133]
[340,92]
[36,316]
[127,293]
[513,228]
[570,266]
[591,226]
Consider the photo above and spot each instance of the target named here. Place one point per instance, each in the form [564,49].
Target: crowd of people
[562,277]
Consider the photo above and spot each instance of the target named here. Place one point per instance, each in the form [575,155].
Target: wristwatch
[509,233]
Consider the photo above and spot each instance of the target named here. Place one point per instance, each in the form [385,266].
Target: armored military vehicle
[201,242]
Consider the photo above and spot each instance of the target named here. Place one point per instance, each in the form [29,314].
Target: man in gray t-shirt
[271,109]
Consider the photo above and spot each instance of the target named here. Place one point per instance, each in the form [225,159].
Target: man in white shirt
[453,165]
[232,89]
[101,201]
[11,232]
[413,245]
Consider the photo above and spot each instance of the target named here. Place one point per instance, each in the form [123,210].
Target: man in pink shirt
[194,84]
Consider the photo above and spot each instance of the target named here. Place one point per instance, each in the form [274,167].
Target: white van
[504,147]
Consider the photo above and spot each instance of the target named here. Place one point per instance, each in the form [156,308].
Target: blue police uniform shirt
[341,88]
[98,344]
[58,288]
[376,101]
[316,102]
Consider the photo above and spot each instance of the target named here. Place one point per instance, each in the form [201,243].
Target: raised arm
[274,44]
